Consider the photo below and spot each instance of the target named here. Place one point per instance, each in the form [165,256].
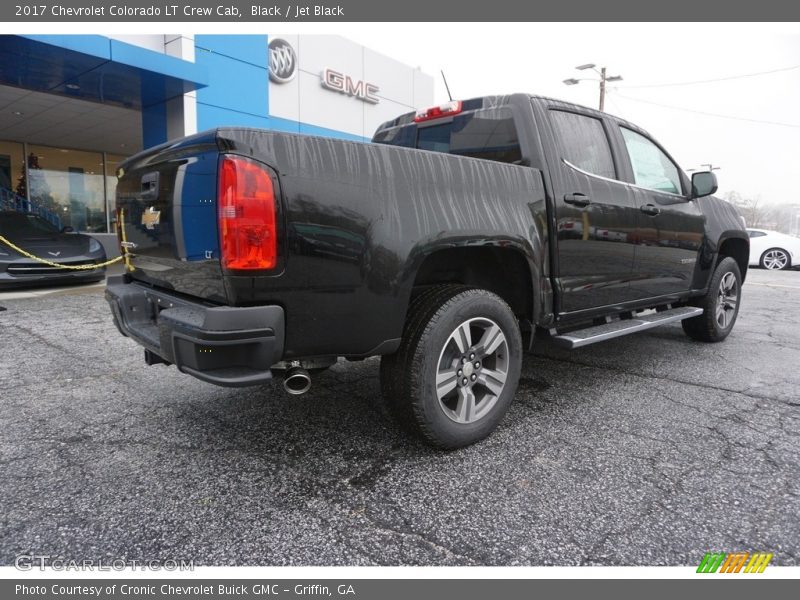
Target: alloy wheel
[727,298]
[776,259]
[472,370]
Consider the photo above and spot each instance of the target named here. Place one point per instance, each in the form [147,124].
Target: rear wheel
[457,368]
[775,259]
[720,304]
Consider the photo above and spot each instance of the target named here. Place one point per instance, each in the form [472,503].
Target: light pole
[603,79]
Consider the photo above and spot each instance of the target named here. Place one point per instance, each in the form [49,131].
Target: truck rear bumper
[223,345]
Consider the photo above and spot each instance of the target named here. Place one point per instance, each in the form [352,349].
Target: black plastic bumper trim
[223,345]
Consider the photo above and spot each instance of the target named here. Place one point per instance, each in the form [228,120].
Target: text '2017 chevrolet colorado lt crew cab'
[443,246]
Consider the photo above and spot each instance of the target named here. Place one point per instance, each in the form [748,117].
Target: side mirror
[704,183]
[67,229]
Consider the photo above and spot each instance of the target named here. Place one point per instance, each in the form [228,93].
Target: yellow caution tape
[128,265]
[58,265]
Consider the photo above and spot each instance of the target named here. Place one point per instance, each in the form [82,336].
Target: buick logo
[282,61]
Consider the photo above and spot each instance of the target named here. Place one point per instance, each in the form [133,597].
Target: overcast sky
[754,158]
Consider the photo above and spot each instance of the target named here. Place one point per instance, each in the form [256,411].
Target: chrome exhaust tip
[296,381]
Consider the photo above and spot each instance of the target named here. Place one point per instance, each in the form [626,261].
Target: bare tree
[755,213]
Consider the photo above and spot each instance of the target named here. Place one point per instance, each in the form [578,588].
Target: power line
[709,114]
[732,77]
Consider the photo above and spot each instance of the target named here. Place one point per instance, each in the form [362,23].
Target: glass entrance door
[71,183]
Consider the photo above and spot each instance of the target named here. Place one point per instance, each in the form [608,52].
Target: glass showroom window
[12,167]
[69,182]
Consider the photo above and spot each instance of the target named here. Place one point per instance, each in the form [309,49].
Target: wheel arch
[503,269]
[737,248]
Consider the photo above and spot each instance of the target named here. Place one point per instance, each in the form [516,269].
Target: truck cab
[626,226]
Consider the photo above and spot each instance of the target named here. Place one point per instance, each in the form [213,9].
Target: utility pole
[602,88]
[603,79]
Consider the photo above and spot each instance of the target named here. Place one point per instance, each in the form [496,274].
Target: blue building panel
[95,68]
[154,124]
[233,84]
[157,62]
[91,45]
[209,117]
[251,49]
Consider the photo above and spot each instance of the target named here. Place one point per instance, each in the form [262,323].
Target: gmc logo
[344,84]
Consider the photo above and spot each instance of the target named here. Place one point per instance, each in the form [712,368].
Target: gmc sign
[344,84]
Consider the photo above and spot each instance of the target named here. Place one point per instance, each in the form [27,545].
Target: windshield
[25,225]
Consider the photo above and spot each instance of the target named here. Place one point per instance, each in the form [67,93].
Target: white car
[773,250]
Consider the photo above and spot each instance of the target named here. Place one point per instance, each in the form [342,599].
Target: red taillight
[247,215]
[437,112]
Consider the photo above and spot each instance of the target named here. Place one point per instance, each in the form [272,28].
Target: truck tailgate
[167,209]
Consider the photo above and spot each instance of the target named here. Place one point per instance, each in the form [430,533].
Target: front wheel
[775,259]
[720,304]
[457,368]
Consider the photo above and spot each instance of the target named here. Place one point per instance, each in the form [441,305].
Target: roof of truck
[504,100]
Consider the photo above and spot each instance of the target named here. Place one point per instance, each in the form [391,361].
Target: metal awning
[96,68]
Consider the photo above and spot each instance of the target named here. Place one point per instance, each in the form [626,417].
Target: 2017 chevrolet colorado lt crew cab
[442,246]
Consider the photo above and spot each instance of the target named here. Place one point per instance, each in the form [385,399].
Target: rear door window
[583,143]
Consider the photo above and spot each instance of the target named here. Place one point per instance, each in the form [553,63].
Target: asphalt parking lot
[649,449]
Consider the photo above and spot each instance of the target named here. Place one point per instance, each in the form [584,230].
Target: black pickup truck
[443,246]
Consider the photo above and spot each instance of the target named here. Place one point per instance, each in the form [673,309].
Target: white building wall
[154,42]
[304,99]
[181,112]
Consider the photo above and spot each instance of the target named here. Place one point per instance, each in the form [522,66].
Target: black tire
[391,364]
[775,256]
[429,348]
[711,326]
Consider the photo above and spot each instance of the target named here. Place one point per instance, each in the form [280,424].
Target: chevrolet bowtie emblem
[151,217]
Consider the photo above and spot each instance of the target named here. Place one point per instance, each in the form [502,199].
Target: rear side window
[583,143]
[756,233]
[489,134]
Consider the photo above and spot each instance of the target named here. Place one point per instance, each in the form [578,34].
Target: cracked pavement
[649,449]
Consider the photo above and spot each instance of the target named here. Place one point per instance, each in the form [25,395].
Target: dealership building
[72,107]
